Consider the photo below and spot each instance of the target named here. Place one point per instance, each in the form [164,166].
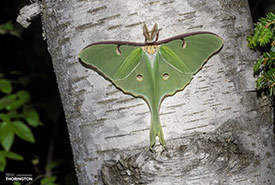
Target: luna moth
[154,69]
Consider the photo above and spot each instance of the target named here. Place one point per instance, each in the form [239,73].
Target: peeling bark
[217,130]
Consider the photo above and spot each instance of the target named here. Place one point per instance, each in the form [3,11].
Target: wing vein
[174,66]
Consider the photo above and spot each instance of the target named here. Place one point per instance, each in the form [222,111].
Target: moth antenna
[157,35]
[146,33]
[154,31]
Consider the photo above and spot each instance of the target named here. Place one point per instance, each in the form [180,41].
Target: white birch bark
[217,130]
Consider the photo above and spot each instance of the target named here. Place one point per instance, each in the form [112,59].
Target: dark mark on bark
[205,90]
[95,10]
[168,2]
[187,13]
[197,112]
[227,92]
[116,136]
[109,18]
[114,27]
[141,130]
[135,24]
[142,113]
[153,2]
[63,26]
[227,25]
[215,82]
[177,105]
[110,85]
[79,79]
[82,91]
[207,66]
[131,14]
[123,108]
[97,122]
[93,24]
[195,27]
[236,111]
[126,100]
[64,41]
[113,92]
[220,71]
[109,150]
[75,63]
[88,26]
[225,109]
[107,101]
[217,104]
[205,87]
[90,159]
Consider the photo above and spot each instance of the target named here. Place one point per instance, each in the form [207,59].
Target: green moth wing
[123,68]
[184,58]
[129,66]
[111,61]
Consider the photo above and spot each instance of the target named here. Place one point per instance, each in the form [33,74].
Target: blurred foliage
[15,114]
[29,96]
[48,181]
[11,28]
[263,39]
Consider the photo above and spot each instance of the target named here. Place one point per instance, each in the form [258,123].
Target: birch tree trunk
[217,130]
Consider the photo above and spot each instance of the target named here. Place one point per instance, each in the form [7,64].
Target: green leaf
[7,100]
[3,163]
[268,20]
[5,86]
[265,37]
[13,114]
[55,164]
[263,33]
[16,183]
[23,131]
[48,180]
[31,116]
[11,28]
[251,43]
[4,117]
[22,98]
[257,66]
[6,27]
[6,136]
[11,155]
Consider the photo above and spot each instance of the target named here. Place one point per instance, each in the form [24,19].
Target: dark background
[25,60]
